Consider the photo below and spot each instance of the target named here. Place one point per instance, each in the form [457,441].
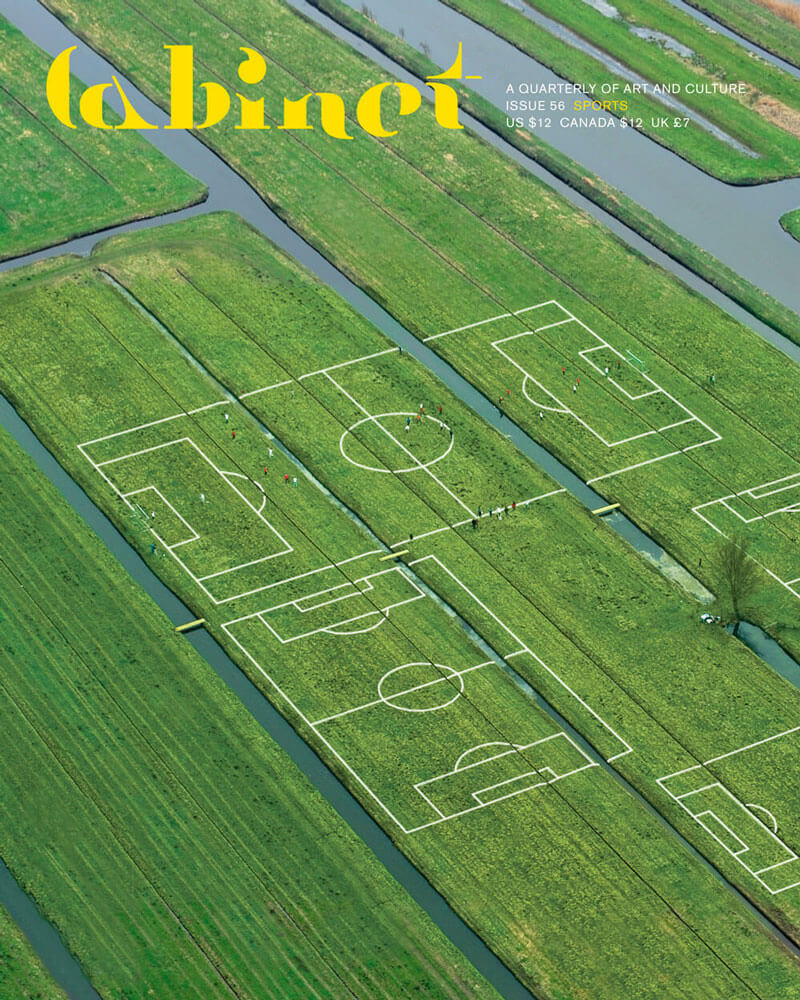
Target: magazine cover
[400,500]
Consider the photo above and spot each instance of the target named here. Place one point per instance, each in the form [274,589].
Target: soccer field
[415,650]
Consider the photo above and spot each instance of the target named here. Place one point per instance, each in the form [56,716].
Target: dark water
[228,191]
[45,940]
[36,928]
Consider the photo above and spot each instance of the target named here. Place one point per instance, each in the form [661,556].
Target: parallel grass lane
[59,183]
[176,848]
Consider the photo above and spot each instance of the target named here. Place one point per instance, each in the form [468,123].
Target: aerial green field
[590,185]
[756,22]
[22,975]
[177,849]
[766,119]
[215,304]
[61,182]
[437,741]
[407,219]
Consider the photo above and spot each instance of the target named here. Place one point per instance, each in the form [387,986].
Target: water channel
[228,191]
[739,225]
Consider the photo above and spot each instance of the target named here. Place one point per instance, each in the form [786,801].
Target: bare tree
[738,574]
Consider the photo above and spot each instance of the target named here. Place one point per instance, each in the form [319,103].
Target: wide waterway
[739,225]
[228,191]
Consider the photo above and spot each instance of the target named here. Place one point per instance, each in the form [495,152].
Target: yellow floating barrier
[195,624]
[605,510]
[394,555]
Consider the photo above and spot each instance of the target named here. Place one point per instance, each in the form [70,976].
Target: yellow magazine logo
[250,112]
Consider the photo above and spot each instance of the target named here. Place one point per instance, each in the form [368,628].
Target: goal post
[636,362]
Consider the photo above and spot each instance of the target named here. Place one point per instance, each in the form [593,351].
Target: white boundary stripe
[345,364]
[512,749]
[383,610]
[746,808]
[754,494]
[411,455]
[313,728]
[492,319]
[524,648]
[400,694]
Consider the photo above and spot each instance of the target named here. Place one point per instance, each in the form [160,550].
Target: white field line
[171,548]
[401,694]
[265,388]
[753,495]
[492,319]
[525,648]
[602,344]
[152,489]
[420,465]
[152,423]
[468,520]
[345,364]
[313,728]
[747,809]
[384,610]
[513,749]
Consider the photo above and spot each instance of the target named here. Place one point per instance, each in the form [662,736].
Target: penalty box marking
[760,828]
[529,777]
[224,476]
[760,492]
[356,590]
[563,408]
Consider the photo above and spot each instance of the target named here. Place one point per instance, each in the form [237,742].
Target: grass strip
[178,850]
[757,119]
[752,298]
[756,22]
[119,176]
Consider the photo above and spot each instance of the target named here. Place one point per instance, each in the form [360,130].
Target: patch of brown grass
[788,11]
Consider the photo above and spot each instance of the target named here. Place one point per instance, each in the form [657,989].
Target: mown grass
[528,872]
[234,302]
[177,849]
[716,59]
[756,22]
[790,221]
[654,230]
[58,182]
[416,222]
[22,975]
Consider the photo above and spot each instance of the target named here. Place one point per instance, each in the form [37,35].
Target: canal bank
[230,192]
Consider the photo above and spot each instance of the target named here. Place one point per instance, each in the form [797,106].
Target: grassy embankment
[600,861]
[59,183]
[415,221]
[616,653]
[766,119]
[649,226]
[791,223]
[759,22]
[177,849]
[22,975]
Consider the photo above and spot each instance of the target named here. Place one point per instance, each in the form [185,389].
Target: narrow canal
[228,191]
